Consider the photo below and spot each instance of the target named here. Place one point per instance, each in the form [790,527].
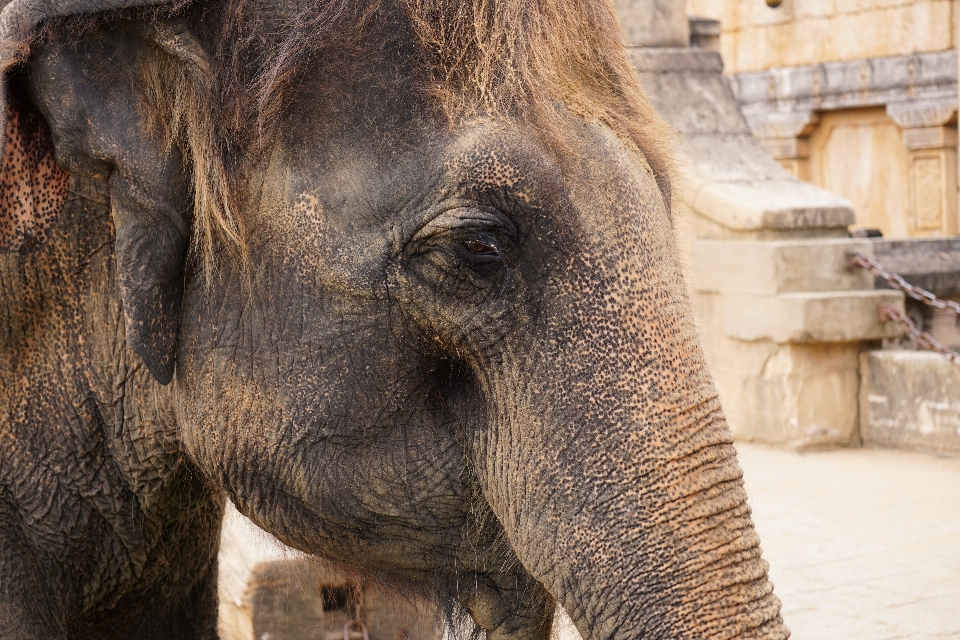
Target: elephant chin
[522,612]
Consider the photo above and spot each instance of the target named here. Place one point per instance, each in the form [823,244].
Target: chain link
[897,282]
[890,313]
[354,610]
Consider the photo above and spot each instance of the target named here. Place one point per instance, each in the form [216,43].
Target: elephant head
[413,264]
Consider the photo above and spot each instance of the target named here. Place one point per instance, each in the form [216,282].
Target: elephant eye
[478,248]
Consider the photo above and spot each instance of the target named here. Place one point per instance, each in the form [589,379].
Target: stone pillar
[930,137]
[782,319]
[655,23]
[785,136]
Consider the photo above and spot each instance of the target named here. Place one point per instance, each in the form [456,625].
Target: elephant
[396,277]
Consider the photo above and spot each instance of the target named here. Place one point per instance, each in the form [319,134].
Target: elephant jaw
[523,611]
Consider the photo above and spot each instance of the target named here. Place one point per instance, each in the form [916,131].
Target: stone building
[806,127]
[856,96]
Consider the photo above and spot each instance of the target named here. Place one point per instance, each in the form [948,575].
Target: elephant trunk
[612,470]
[638,526]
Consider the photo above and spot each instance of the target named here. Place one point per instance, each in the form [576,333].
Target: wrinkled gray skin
[507,431]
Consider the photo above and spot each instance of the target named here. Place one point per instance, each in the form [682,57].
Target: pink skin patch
[33,187]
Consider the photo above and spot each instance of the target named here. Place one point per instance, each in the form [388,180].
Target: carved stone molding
[929,78]
[915,113]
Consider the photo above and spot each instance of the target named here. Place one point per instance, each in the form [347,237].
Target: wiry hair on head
[499,59]
[529,58]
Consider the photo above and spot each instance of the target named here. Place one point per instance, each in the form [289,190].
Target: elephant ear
[33,187]
[84,113]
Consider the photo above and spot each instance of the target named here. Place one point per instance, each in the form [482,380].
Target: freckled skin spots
[459,361]
[106,530]
[33,187]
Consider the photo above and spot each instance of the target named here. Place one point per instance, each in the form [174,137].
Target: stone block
[910,400]
[655,23]
[778,266]
[783,204]
[800,395]
[831,316]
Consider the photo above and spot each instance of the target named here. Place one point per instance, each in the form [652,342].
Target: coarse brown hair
[524,59]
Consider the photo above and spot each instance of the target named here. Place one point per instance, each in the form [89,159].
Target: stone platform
[863,544]
[910,400]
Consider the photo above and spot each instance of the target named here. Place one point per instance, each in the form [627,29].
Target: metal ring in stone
[359,624]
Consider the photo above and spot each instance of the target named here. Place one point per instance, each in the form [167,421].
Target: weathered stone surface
[800,395]
[655,23]
[910,400]
[932,264]
[779,266]
[830,316]
[730,178]
[800,33]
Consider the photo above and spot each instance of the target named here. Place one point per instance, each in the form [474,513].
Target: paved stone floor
[863,544]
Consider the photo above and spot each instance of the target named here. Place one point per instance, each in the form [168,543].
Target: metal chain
[890,313]
[897,282]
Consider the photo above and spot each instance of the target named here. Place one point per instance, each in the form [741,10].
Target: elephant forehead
[328,224]
[613,188]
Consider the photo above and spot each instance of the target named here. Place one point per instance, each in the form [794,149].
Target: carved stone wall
[806,32]
[781,317]
[880,131]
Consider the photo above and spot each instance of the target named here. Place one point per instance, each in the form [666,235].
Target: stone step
[779,266]
[821,316]
[933,264]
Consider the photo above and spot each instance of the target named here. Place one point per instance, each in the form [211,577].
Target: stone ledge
[932,264]
[857,83]
[731,180]
[833,316]
[910,400]
[662,59]
[784,205]
[919,90]
[779,266]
